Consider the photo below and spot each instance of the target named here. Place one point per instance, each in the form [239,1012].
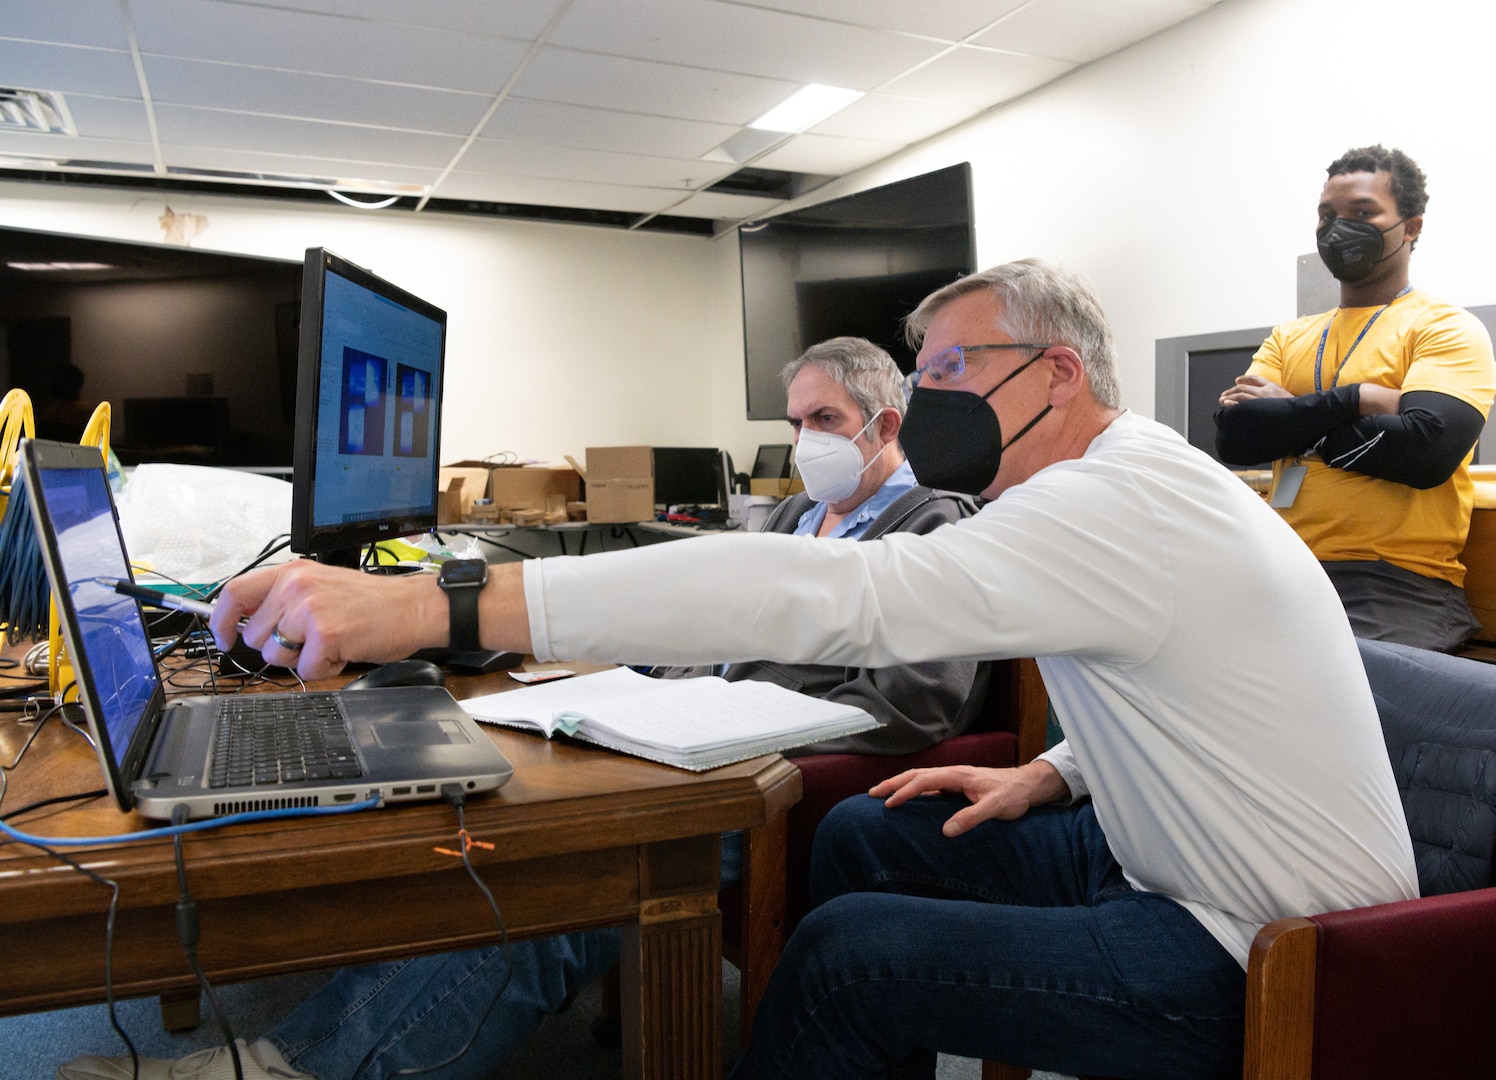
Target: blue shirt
[857,522]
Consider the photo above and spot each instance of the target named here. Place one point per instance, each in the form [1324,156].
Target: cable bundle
[23,580]
[24,594]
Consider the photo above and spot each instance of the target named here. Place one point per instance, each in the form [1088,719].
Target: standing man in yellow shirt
[1370,413]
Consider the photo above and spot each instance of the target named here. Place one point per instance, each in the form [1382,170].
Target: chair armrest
[1392,990]
[1404,989]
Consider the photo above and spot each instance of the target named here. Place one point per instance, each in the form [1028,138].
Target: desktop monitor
[773,461]
[368,411]
[688,476]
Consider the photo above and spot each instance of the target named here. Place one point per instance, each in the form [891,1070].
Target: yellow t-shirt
[1417,343]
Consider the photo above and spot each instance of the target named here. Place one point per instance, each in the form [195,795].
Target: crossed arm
[1416,438]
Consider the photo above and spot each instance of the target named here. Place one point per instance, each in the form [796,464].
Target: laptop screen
[116,653]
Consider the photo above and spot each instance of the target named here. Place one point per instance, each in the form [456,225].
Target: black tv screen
[194,350]
[856,265]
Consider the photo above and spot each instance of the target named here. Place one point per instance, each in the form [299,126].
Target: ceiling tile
[67,22]
[300,41]
[181,126]
[1082,30]
[109,118]
[59,146]
[825,154]
[751,41]
[597,129]
[535,192]
[883,118]
[312,97]
[68,69]
[519,19]
[246,161]
[574,163]
[643,86]
[950,20]
[977,78]
[720,206]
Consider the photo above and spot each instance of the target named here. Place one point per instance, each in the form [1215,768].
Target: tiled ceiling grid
[608,105]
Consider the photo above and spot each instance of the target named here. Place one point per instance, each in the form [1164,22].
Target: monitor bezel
[341,543]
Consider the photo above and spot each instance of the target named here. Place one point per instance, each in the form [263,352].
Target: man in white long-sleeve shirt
[1218,716]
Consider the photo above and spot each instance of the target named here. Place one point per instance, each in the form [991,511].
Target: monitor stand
[477,662]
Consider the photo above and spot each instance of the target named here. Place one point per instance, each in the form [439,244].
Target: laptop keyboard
[276,739]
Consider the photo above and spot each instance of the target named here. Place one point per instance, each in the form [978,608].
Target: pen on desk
[160,599]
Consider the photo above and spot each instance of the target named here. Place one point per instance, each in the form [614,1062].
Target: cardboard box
[531,487]
[458,487]
[620,483]
[776,487]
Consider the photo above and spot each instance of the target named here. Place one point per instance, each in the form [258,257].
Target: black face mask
[1352,249]
[953,440]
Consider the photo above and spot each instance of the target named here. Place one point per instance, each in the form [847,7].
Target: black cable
[453,794]
[188,933]
[53,801]
[108,948]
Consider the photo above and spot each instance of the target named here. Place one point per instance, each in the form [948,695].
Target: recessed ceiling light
[805,108]
[59,266]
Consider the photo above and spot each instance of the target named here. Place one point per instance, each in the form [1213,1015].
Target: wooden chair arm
[1280,1001]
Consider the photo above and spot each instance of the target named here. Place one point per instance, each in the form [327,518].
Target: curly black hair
[1407,178]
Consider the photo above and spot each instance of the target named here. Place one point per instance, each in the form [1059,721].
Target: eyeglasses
[948,364]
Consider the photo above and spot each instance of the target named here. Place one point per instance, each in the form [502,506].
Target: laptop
[233,753]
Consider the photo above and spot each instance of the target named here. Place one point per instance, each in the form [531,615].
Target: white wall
[559,336]
[1181,175]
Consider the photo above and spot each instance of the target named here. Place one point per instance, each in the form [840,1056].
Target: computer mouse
[400,673]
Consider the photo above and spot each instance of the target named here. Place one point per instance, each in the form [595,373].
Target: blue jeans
[1018,942]
[368,1023]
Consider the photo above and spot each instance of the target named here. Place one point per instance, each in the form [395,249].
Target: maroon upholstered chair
[759,913]
[1397,990]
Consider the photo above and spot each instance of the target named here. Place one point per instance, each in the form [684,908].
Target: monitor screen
[368,410]
[687,476]
[195,350]
[856,266]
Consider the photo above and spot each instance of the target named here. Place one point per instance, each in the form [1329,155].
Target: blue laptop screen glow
[114,646]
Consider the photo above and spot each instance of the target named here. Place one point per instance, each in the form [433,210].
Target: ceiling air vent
[40,112]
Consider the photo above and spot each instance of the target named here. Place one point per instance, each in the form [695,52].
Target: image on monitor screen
[368,409]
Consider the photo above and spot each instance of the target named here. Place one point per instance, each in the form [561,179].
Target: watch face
[464,572]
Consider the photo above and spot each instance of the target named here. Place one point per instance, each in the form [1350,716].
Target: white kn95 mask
[831,465]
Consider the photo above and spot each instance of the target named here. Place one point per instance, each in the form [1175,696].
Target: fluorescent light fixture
[59,266]
[805,108]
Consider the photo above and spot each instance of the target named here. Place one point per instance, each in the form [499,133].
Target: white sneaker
[262,1061]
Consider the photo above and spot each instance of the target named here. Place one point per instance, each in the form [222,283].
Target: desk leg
[672,991]
[672,967]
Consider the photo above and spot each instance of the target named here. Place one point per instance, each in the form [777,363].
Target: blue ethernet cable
[190,827]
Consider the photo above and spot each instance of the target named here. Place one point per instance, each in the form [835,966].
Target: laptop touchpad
[395,736]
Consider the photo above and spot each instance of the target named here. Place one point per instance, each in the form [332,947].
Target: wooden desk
[584,838]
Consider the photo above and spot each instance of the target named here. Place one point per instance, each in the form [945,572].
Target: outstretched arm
[340,615]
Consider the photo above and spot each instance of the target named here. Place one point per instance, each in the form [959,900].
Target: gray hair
[864,370]
[1041,303]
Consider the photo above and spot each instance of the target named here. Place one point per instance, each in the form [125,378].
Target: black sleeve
[1265,429]
[1421,446]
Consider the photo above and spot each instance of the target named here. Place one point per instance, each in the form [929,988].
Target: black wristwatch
[462,580]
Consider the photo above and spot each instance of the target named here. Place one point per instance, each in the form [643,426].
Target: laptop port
[425,789]
[345,796]
[400,790]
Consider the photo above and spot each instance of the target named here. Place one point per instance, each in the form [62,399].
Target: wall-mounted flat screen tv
[194,350]
[855,265]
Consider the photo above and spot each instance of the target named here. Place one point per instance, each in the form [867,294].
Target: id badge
[1286,486]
